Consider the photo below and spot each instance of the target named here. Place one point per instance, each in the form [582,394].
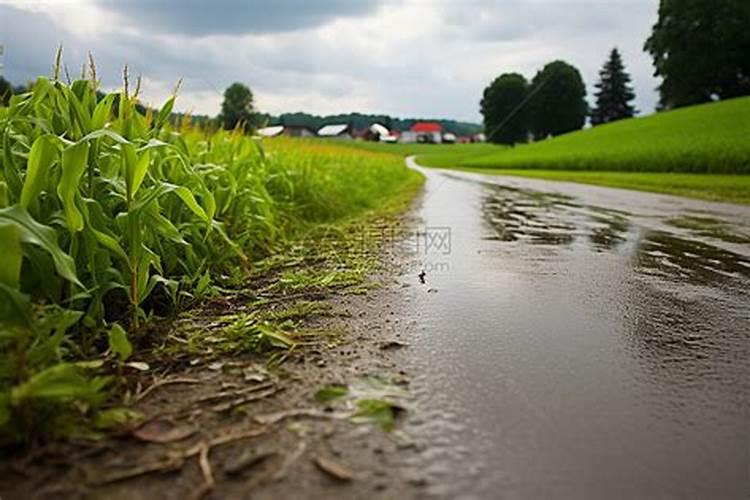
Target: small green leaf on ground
[330,393]
[119,343]
[116,417]
[377,411]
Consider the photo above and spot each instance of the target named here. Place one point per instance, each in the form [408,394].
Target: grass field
[711,138]
[438,155]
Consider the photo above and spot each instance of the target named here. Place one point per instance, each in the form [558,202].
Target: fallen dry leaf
[334,469]
[392,344]
[249,459]
[163,430]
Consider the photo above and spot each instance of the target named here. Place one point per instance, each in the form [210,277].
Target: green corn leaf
[97,224]
[119,343]
[78,113]
[164,113]
[181,191]
[102,112]
[135,168]
[10,168]
[15,309]
[140,170]
[42,87]
[4,195]
[10,249]
[111,244]
[42,155]
[44,237]
[209,201]
[105,132]
[187,197]
[162,226]
[145,285]
[74,160]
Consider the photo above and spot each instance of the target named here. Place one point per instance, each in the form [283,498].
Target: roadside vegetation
[112,220]
[433,155]
[711,187]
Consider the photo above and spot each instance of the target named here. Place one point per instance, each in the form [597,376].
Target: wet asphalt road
[580,342]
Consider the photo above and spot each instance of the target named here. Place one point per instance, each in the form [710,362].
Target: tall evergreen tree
[614,92]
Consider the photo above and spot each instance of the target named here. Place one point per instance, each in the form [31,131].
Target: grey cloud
[510,20]
[440,72]
[30,41]
[203,17]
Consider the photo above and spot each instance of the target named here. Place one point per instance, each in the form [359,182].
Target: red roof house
[427,128]
[431,132]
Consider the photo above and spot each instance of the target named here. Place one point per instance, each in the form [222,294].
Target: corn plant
[110,215]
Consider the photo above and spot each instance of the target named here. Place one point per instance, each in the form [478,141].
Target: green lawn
[446,153]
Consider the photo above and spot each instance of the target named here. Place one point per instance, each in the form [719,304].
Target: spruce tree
[614,92]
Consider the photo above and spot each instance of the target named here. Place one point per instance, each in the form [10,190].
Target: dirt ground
[230,428]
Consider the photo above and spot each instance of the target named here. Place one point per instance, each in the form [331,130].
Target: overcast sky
[427,58]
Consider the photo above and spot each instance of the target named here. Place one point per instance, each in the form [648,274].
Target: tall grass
[109,217]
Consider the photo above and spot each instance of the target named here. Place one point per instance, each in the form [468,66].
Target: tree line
[700,49]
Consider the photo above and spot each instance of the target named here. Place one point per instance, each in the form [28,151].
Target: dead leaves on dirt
[175,459]
[334,469]
[164,430]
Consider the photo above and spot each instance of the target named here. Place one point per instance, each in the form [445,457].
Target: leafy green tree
[502,106]
[558,103]
[614,92]
[701,49]
[237,108]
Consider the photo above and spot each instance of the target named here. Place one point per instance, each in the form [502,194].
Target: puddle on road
[532,217]
[695,262]
[548,219]
[709,227]
[579,348]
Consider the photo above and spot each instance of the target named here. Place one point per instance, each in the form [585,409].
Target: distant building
[335,131]
[375,132]
[449,138]
[271,131]
[429,132]
[378,131]
[392,138]
[467,139]
[298,131]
